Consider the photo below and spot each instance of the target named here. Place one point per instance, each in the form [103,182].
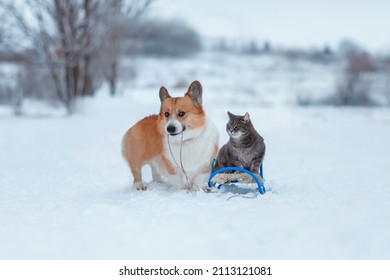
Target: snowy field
[65,191]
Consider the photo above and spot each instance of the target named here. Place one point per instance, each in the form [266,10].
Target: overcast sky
[303,23]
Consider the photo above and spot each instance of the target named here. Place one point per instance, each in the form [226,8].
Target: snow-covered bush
[354,87]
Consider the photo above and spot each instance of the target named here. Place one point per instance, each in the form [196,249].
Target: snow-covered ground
[65,191]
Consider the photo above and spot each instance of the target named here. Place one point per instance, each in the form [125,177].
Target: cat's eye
[181,114]
[166,114]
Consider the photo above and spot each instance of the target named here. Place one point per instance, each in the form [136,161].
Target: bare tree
[354,89]
[75,42]
[355,82]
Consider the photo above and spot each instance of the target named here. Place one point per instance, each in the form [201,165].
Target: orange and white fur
[179,143]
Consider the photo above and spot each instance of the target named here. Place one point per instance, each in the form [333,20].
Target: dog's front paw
[139,186]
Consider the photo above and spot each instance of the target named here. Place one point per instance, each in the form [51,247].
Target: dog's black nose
[171,129]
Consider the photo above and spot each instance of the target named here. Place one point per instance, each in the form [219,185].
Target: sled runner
[232,177]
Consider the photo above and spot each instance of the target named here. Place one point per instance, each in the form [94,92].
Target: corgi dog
[179,143]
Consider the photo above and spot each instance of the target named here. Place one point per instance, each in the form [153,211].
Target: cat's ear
[195,92]
[230,115]
[163,94]
[247,117]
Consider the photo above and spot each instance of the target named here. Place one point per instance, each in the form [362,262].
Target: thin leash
[181,167]
[242,196]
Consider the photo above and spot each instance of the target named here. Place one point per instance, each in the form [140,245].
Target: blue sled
[260,185]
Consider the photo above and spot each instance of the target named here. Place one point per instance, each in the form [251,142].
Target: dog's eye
[181,114]
[166,114]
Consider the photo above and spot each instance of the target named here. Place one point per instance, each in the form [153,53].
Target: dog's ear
[195,92]
[247,117]
[163,94]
